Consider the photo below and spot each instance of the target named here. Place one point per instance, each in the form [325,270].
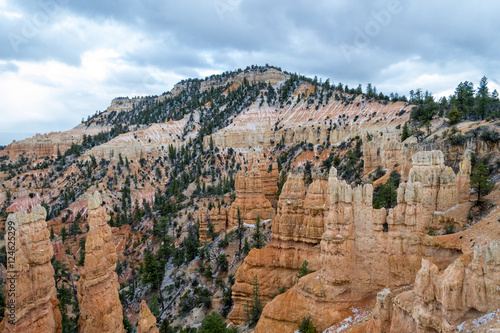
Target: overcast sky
[61,60]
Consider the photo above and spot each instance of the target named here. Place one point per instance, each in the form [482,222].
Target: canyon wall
[251,187]
[441,301]
[100,306]
[42,145]
[296,233]
[333,122]
[35,300]
[365,249]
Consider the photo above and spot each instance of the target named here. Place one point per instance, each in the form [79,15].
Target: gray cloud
[393,44]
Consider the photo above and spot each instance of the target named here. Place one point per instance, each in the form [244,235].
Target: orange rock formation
[440,302]
[100,307]
[296,233]
[364,249]
[146,322]
[35,302]
[251,195]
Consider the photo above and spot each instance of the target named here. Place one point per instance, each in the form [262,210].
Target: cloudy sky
[61,60]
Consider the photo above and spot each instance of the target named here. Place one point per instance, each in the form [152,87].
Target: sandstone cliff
[152,141]
[296,233]
[439,302]
[42,145]
[146,322]
[100,307]
[364,249]
[35,299]
[251,194]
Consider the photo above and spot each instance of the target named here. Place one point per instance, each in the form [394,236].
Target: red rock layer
[296,233]
[100,307]
[218,217]
[364,249]
[439,302]
[35,297]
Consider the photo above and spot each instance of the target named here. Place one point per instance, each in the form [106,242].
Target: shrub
[306,325]
[304,269]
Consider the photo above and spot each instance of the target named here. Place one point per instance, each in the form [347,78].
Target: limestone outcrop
[386,151]
[250,196]
[100,307]
[296,233]
[146,322]
[35,301]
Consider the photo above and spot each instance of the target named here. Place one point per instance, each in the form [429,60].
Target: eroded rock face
[385,151]
[147,321]
[100,307]
[364,249]
[439,302]
[35,297]
[217,217]
[49,144]
[296,233]
[250,196]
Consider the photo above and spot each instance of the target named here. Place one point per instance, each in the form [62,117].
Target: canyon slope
[260,199]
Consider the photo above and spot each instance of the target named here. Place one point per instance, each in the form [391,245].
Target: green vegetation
[306,325]
[213,323]
[465,104]
[258,236]
[385,195]
[480,182]
[254,307]
[200,296]
[304,269]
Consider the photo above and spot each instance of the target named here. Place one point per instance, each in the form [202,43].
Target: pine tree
[483,97]
[304,269]
[246,246]
[480,181]
[406,132]
[454,116]
[240,231]
[258,236]
[64,234]
[254,307]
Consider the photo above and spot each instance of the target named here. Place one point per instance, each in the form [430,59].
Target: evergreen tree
[240,230]
[480,181]
[304,269]
[454,116]
[406,132]
[254,307]
[306,325]
[483,97]
[258,236]
[64,233]
[246,247]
